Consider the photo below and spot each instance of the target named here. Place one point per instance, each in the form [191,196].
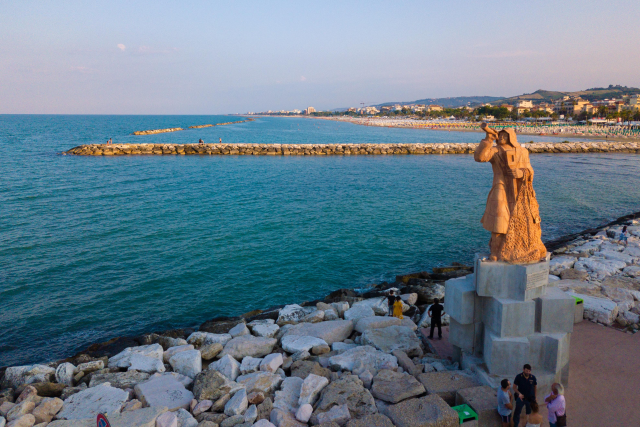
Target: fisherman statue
[512,214]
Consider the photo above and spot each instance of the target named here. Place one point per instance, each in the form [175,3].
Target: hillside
[459,101]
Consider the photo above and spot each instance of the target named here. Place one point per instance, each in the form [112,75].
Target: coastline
[408,282]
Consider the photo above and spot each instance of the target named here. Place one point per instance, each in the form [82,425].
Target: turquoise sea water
[97,247]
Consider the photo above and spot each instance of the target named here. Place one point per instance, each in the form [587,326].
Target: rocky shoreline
[340,149]
[338,361]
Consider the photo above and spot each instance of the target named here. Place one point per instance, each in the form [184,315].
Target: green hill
[593,94]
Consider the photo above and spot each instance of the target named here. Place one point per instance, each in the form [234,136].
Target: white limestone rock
[338,414]
[409,299]
[188,363]
[16,376]
[146,364]
[123,359]
[238,403]
[170,352]
[338,346]
[374,322]
[163,391]
[88,367]
[248,345]
[272,362]
[250,365]
[287,397]
[291,314]
[227,366]
[560,263]
[304,413]
[311,388]
[599,268]
[632,271]
[331,314]
[168,419]
[185,419]
[263,423]
[297,343]
[264,382]
[618,256]
[92,401]
[265,330]
[340,307]
[379,305]
[203,338]
[64,374]
[371,359]
[251,414]
[601,310]
[590,247]
[239,330]
[358,312]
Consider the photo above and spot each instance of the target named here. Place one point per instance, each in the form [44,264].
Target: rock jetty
[154,131]
[341,149]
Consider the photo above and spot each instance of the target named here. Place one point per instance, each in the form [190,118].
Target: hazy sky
[207,57]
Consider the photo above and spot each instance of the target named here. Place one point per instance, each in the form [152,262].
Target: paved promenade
[604,374]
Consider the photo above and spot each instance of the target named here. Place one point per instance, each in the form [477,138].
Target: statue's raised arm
[512,214]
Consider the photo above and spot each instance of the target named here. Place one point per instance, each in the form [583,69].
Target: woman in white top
[534,419]
[555,403]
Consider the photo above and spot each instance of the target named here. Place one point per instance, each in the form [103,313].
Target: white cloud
[121,47]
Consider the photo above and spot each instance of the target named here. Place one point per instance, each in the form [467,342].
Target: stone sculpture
[512,214]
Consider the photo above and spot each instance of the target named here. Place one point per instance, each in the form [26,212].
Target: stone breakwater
[335,361]
[155,131]
[341,149]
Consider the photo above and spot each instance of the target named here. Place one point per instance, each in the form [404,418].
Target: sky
[210,57]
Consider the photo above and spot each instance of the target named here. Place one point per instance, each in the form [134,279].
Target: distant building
[309,110]
[525,104]
[368,110]
[507,106]
[434,107]
[351,110]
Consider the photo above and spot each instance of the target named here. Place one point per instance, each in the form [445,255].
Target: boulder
[272,362]
[227,366]
[49,389]
[248,345]
[571,274]
[338,414]
[409,299]
[185,419]
[367,379]
[446,383]
[358,312]
[341,346]
[264,409]
[428,292]
[379,305]
[64,373]
[428,411]
[20,409]
[168,419]
[92,401]
[371,359]
[314,317]
[26,420]
[394,387]
[297,343]
[250,365]
[201,338]
[331,314]
[47,409]
[212,385]
[88,367]
[209,351]
[264,423]
[375,322]
[251,414]
[202,406]
[303,368]
[237,404]
[409,323]
[236,420]
[265,330]
[599,268]
[15,376]
[239,330]
[169,353]
[188,363]
[123,359]
[375,420]
[406,363]
[311,388]
[560,263]
[145,417]
[168,342]
[220,325]
[618,256]
[163,391]
[340,307]
[264,382]
[393,338]
[146,364]
[281,418]
[287,397]
[601,310]
[347,390]
[291,314]
[304,413]
[330,332]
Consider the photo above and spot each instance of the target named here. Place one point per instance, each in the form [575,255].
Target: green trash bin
[579,310]
[465,413]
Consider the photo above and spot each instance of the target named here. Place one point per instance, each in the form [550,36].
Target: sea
[93,248]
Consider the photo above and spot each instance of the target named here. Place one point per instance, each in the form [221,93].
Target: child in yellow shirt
[397,308]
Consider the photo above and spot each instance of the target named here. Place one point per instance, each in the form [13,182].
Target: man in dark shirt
[435,312]
[391,298]
[526,385]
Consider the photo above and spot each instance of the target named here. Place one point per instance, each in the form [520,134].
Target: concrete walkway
[604,373]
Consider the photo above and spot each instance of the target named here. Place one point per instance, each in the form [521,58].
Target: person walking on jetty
[504,403]
[200,141]
[391,299]
[220,141]
[397,308]
[556,406]
[623,236]
[109,141]
[527,385]
[435,313]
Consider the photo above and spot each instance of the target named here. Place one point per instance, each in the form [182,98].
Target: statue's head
[503,137]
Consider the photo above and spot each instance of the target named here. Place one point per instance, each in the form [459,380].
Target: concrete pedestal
[504,316]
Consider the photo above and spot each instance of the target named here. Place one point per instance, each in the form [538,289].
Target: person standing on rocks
[397,308]
[200,141]
[527,385]
[504,403]
[391,298]
[435,312]
[623,236]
